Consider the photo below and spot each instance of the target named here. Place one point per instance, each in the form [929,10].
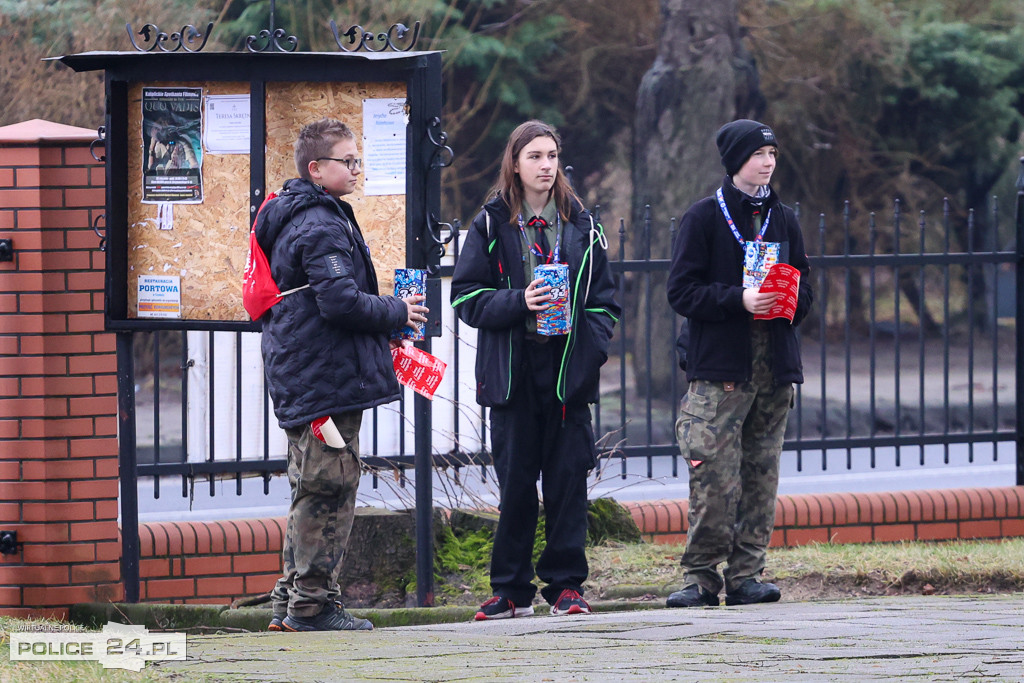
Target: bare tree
[702,77]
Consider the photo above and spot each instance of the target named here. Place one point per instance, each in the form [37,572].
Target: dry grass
[831,570]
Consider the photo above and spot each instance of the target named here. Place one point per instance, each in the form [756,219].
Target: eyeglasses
[350,164]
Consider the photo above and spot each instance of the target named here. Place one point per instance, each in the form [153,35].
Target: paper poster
[226,124]
[172,160]
[159,296]
[384,124]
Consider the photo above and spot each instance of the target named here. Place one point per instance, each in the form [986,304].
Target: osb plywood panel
[208,242]
[290,106]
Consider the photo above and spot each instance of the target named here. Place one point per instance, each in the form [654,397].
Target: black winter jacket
[325,348]
[488,293]
[705,284]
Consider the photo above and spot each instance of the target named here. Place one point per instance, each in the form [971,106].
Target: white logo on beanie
[768,135]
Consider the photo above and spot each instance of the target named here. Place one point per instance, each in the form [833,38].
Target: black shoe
[331,618]
[753,591]
[692,596]
[501,608]
[277,621]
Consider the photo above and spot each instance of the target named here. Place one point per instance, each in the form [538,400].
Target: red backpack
[259,291]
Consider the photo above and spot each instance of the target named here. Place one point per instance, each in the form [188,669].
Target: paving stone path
[933,638]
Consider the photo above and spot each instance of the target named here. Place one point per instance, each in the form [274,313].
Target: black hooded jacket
[325,348]
[488,294]
[705,284]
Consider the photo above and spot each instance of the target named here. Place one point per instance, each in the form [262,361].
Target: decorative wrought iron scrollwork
[443,156]
[154,38]
[95,229]
[270,38]
[266,39]
[437,244]
[388,39]
[101,137]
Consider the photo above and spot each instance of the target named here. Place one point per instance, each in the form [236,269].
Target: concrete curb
[213,618]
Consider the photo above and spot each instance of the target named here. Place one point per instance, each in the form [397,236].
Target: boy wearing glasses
[326,354]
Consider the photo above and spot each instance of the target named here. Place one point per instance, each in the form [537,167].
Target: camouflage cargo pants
[735,431]
[324,482]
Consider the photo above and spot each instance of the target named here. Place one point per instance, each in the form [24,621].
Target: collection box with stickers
[410,282]
[556,319]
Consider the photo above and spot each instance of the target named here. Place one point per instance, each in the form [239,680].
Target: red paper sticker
[784,279]
[418,370]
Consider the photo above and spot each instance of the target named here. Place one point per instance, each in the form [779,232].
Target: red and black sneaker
[501,608]
[570,602]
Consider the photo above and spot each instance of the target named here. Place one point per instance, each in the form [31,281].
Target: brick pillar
[58,377]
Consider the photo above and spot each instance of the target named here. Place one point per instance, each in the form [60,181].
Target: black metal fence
[913,344]
[908,347]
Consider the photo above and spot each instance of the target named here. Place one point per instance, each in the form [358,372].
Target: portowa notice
[159,296]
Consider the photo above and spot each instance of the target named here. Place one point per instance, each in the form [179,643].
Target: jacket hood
[296,196]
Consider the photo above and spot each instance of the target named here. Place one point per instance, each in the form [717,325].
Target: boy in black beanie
[740,370]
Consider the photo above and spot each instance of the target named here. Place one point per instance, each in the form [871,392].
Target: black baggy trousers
[536,436]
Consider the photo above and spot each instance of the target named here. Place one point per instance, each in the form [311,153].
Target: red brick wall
[217,562]
[58,382]
[209,562]
[938,515]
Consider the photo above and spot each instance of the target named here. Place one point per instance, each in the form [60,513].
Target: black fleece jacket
[705,284]
[488,293]
[325,348]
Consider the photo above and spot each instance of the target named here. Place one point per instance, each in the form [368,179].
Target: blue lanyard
[535,248]
[732,226]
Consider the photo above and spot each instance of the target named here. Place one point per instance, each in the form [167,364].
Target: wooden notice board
[205,244]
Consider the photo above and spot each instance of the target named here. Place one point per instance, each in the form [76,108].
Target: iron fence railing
[912,344]
[899,351]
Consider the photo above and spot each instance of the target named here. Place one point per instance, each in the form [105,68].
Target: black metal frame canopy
[427,153]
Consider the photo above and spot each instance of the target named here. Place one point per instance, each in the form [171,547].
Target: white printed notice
[159,296]
[384,124]
[227,124]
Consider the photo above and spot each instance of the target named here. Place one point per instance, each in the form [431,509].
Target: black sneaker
[692,596]
[570,602]
[276,622]
[501,608]
[331,618]
[753,591]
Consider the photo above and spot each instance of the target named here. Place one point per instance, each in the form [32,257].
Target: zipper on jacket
[508,285]
[508,380]
[559,384]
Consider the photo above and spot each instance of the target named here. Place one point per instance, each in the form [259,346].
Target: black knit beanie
[738,140]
